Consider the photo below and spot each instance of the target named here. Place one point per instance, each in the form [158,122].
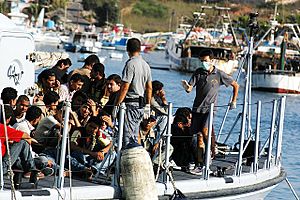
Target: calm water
[179,98]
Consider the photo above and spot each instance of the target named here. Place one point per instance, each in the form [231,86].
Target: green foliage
[56,4]
[3,7]
[107,13]
[105,10]
[243,21]
[92,4]
[150,8]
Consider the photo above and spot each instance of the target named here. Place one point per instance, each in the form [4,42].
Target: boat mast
[246,114]
[198,17]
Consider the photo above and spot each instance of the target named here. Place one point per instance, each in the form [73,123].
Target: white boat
[185,58]
[48,37]
[184,46]
[83,42]
[233,175]
[16,46]
[277,71]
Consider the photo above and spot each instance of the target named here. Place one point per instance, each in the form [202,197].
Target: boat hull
[276,82]
[248,186]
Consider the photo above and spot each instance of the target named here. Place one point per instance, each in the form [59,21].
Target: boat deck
[225,163]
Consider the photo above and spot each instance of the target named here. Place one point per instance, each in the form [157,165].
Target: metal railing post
[168,142]
[116,181]
[243,127]
[255,164]
[272,130]
[280,131]
[208,145]
[249,63]
[65,136]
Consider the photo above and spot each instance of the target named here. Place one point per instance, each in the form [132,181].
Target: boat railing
[272,144]
[276,71]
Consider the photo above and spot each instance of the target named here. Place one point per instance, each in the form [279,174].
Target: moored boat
[183,48]
[276,66]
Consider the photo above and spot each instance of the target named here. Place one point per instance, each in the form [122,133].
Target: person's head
[63,64]
[85,111]
[97,71]
[206,57]
[147,124]
[9,114]
[33,115]
[47,79]
[9,96]
[157,86]
[76,82]
[90,61]
[133,46]
[51,100]
[181,121]
[79,98]
[92,126]
[113,83]
[22,105]
[186,112]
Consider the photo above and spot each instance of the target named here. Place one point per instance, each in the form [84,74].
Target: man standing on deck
[136,92]
[207,79]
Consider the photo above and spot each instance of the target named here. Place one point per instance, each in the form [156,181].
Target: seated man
[9,96]
[181,140]
[88,148]
[32,118]
[22,106]
[113,84]
[66,91]
[159,107]
[19,145]
[147,139]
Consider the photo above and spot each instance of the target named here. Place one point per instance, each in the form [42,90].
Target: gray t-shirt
[137,73]
[207,87]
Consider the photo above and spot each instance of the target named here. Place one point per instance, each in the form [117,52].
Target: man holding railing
[207,79]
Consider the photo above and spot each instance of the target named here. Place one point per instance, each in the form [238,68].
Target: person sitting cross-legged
[19,146]
[87,148]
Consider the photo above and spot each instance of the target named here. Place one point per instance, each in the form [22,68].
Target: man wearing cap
[207,79]
[136,92]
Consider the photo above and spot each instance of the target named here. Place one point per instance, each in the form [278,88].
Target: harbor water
[175,94]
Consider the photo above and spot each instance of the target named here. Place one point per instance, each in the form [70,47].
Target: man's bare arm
[188,88]
[148,92]
[235,91]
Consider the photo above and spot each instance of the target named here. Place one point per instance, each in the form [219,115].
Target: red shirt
[13,135]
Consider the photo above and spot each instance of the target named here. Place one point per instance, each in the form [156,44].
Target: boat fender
[137,175]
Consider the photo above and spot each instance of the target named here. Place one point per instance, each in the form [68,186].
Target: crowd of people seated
[36,123]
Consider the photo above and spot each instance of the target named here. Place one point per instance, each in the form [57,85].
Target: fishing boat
[276,66]
[83,42]
[249,171]
[184,46]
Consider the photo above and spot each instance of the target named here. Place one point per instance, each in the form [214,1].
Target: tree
[108,12]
